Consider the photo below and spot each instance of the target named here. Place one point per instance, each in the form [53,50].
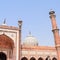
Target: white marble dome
[30,41]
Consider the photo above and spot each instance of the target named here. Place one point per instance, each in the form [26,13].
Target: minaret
[55,31]
[19,44]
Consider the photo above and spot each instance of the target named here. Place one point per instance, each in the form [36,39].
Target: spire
[4,22]
[30,33]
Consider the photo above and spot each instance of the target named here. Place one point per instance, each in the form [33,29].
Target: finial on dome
[30,33]
[4,22]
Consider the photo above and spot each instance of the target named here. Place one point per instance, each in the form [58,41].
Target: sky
[35,17]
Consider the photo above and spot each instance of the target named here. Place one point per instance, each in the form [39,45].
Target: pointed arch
[3,56]
[54,58]
[24,58]
[40,58]
[48,57]
[6,42]
[32,58]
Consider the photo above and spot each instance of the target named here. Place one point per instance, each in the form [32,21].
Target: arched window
[40,58]
[3,56]
[24,58]
[54,58]
[48,58]
[32,58]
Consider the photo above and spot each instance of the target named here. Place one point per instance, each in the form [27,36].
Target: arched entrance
[24,58]
[3,56]
[48,58]
[40,58]
[32,58]
[54,58]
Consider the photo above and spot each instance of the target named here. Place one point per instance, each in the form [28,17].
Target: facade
[12,49]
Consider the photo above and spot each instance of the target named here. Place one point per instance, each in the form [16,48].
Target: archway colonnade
[4,57]
[40,58]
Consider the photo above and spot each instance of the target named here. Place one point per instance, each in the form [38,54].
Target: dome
[30,41]
[6,42]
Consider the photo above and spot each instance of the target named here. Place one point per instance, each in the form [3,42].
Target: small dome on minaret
[51,12]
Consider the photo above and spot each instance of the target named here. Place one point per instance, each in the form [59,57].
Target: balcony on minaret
[51,12]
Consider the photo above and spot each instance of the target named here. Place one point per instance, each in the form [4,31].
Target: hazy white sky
[35,17]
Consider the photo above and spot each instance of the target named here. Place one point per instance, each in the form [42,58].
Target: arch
[3,56]
[48,58]
[54,58]
[24,58]
[40,58]
[6,42]
[32,58]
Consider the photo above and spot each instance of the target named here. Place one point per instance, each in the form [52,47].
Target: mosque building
[12,49]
